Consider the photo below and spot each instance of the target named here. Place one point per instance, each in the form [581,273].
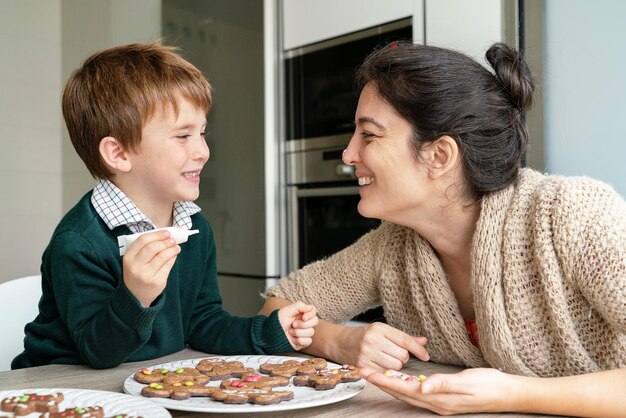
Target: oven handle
[328,191]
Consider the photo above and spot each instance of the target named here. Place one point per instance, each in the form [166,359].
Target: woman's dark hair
[443,92]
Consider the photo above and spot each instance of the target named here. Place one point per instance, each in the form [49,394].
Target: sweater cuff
[128,309]
[268,334]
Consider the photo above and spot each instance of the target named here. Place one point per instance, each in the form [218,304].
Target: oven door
[324,220]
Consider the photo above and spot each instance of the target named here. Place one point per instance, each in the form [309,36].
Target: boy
[136,116]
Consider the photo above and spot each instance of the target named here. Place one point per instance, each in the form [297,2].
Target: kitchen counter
[371,402]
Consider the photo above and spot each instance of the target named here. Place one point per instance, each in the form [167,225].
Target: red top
[472,329]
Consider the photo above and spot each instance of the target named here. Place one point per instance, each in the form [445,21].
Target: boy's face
[167,163]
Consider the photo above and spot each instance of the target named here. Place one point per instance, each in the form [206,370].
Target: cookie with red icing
[254,381]
[31,402]
[255,396]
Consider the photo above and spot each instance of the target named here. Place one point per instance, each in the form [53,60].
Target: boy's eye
[183,137]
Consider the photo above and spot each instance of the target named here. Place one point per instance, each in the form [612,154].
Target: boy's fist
[298,320]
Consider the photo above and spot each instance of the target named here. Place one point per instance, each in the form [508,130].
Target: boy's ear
[114,155]
[442,155]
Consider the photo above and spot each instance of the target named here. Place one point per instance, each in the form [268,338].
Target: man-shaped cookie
[31,402]
[170,376]
[289,368]
[254,381]
[328,378]
[256,396]
[218,369]
[89,412]
[177,390]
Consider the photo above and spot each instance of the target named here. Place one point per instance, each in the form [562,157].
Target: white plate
[303,397]
[112,403]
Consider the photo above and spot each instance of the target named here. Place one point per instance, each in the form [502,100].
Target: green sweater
[87,315]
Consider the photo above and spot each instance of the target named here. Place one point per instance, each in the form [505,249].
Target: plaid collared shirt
[115,209]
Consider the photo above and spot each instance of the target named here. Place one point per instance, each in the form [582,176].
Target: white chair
[19,299]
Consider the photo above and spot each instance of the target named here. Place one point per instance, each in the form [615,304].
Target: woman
[478,262]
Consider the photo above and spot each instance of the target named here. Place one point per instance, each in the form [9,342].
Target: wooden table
[371,402]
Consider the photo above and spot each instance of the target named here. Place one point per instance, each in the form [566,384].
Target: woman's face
[392,183]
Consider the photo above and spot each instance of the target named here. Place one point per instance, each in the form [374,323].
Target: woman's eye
[367,135]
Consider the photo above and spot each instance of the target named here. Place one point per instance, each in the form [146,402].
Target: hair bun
[513,74]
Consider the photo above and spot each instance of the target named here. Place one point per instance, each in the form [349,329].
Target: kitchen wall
[41,42]
[30,156]
[584,89]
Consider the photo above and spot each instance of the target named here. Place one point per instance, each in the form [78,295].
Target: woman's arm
[599,394]
[376,345]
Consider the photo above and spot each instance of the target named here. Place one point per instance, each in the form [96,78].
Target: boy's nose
[202,151]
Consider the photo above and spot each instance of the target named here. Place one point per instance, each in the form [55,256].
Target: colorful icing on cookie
[31,402]
[328,378]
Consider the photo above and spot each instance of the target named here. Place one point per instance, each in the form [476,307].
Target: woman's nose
[350,155]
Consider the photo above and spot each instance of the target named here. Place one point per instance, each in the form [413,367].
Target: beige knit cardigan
[548,279]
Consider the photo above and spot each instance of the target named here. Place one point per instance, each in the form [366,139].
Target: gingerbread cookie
[89,412]
[328,378]
[254,381]
[177,390]
[219,369]
[256,396]
[170,376]
[289,368]
[31,402]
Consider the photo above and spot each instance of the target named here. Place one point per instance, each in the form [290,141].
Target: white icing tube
[179,234]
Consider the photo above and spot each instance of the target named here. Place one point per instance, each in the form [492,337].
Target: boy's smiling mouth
[192,174]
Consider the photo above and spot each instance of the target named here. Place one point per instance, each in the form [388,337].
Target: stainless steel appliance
[320,101]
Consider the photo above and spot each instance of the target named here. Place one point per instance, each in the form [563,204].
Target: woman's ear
[114,155]
[442,156]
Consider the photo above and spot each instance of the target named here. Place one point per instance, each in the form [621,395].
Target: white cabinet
[310,21]
[469,26]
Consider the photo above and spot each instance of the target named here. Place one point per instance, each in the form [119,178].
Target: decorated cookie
[31,402]
[254,381]
[177,390]
[256,396]
[328,378]
[290,368]
[218,369]
[170,376]
[125,416]
[89,412]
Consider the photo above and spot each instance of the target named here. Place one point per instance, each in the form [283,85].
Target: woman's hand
[379,346]
[472,390]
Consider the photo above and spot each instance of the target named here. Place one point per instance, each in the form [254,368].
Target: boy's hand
[147,264]
[298,320]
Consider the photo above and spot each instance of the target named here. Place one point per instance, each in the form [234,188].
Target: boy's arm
[213,330]
[104,321]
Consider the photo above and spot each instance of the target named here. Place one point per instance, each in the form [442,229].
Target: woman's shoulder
[577,198]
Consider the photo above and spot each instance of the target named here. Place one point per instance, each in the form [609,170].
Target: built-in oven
[320,101]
